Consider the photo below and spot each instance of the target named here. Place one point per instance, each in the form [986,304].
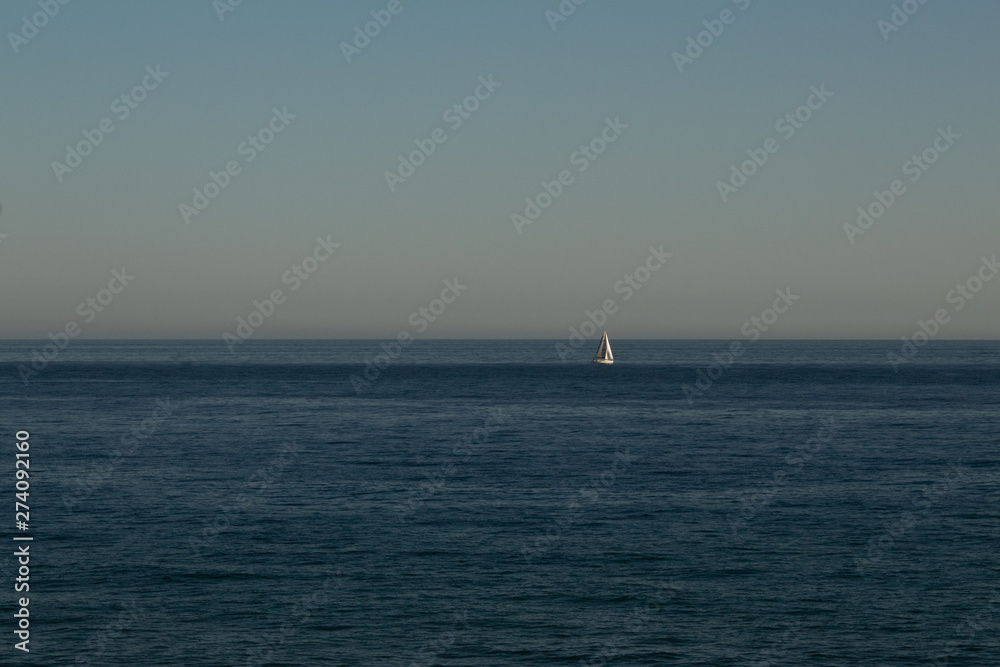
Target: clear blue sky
[655,185]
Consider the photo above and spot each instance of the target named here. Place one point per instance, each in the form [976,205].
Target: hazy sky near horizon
[323,175]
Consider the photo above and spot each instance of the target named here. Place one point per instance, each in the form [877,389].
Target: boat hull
[604,355]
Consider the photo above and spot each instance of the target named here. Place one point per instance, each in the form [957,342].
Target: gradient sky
[655,186]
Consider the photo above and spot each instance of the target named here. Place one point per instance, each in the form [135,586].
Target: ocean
[487,503]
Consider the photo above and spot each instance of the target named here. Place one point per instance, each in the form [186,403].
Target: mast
[604,351]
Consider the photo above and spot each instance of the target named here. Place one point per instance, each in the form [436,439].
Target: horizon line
[596,339]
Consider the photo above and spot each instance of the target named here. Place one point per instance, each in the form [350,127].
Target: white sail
[604,351]
[604,355]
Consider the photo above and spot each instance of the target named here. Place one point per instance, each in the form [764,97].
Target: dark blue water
[482,503]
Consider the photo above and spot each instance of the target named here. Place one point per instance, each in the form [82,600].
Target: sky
[678,118]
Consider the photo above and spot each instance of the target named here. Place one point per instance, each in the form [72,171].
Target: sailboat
[604,355]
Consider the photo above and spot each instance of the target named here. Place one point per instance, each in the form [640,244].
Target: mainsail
[604,355]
